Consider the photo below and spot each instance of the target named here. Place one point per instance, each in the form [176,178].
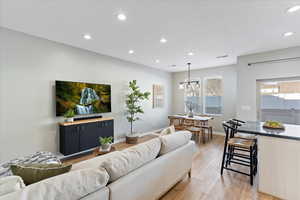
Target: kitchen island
[279,159]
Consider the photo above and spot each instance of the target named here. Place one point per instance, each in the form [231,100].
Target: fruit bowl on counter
[273,125]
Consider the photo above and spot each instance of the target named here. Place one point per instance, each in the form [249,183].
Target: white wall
[228,73]
[29,66]
[247,76]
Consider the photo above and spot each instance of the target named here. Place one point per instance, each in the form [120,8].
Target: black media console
[82,135]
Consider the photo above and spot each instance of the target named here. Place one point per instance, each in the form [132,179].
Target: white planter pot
[105,147]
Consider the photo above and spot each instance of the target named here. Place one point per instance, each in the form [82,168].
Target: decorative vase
[190,114]
[70,119]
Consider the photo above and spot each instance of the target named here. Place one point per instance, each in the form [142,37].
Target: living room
[164,46]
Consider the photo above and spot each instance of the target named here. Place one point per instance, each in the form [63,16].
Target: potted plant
[133,101]
[69,115]
[105,143]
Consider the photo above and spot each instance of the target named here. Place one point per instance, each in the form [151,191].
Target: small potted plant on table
[105,143]
[133,101]
[69,115]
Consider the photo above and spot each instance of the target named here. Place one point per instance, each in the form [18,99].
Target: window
[280,100]
[212,96]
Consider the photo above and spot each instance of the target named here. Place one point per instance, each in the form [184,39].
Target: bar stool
[231,145]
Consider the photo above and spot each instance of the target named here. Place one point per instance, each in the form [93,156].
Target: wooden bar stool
[238,151]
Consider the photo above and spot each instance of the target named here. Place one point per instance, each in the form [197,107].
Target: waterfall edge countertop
[290,132]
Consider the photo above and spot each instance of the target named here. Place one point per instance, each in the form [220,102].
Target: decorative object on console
[38,157]
[69,115]
[35,172]
[99,153]
[105,143]
[158,96]
[133,101]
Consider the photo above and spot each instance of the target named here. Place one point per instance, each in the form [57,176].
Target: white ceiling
[209,28]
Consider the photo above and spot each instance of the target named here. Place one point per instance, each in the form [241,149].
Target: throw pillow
[32,173]
[168,130]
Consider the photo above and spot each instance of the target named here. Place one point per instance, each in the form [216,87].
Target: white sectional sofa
[143,172]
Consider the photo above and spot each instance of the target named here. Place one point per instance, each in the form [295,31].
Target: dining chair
[177,122]
[238,151]
[204,125]
[189,125]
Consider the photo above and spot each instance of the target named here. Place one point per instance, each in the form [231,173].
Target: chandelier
[189,86]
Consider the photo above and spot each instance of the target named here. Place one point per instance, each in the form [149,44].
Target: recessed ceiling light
[87,36]
[163,40]
[293,9]
[223,56]
[157,61]
[287,34]
[190,53]
[131,52]
[122,17]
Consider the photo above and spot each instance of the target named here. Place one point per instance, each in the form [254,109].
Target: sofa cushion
[94,162]
[10,184]
[168,130]
[32,173]
[173,141]
[132,158]
[72,186]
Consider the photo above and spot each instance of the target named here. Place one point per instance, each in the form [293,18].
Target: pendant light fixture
[189,86]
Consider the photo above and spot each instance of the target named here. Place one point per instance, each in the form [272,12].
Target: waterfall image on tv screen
[83,98]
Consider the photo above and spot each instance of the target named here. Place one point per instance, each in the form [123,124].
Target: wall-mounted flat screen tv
[83,98]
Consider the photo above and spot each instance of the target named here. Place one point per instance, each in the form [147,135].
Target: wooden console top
[84,121]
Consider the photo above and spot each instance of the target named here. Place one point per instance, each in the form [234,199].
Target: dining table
[278,157]
[203,119]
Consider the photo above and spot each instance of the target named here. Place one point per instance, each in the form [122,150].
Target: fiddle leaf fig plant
[133,103]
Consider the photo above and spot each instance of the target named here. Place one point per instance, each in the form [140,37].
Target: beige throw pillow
[168,130]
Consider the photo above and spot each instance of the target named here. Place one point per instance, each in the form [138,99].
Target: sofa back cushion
[173,141]
[130,159]
[73,185]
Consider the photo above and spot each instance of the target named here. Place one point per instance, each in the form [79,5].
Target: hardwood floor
[206,182]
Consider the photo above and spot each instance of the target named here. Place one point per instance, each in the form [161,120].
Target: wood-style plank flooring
[206,182]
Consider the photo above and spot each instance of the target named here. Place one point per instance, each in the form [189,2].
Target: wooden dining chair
[204,125]
[177,123]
